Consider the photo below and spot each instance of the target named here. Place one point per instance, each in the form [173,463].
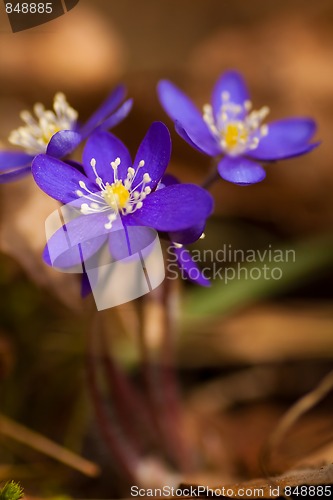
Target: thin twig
[293,414]
[44,445]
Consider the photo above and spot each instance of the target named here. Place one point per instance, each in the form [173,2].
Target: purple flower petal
[189,235]
[182,110]
[76,242]
[117,116]
[13,159]
[64,257]
[206,143]
[178,106]
[155,150]
[174,208]
[63,143]
[105,148]
[285,139]
[14,165]
[130,240]
[86,228]
[103,112]
[58,179]
[189,267]
[76,165]
[168,180]
[240,170]
[14,175]
[233,83]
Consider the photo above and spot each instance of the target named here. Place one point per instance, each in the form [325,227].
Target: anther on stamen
[146,178]
[264,130]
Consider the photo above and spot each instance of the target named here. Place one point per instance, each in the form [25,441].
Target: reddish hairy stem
[126,458]
[128,402]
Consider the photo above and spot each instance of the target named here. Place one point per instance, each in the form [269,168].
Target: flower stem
[148,373]
[160,377]
[126,399]
[169,382]
[212,176]
[126,457]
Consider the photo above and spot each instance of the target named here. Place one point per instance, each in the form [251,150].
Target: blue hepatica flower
[114,188]
[229,127]
[57,133]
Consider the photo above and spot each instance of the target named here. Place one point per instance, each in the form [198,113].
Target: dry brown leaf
[275,486]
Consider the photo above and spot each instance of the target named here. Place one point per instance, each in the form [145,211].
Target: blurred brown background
[284,49]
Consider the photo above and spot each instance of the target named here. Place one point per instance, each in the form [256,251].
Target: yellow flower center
[116,195]
[235,127]
[123,196]
[234,134]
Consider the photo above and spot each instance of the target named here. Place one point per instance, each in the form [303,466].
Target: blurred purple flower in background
[229,127]
[57,133]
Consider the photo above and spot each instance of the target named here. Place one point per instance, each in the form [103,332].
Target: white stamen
[236,128]
[38,130]
[112,198]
